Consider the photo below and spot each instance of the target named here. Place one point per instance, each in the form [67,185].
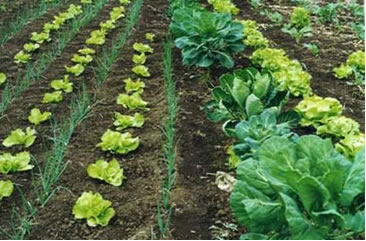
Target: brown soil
[12,9]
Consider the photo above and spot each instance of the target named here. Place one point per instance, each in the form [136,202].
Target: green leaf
[114,141]
[253,105]
[30,47]
[76,70]
[40,37]
[36,117]
[97,37]
[19,137]
[125,121]
[356,222]
[139,59]
[6,189]
[55,96]
[22,57]
[141,70]
[62,84]
[80,59]
[142,48]
[132,102]
[355,182]
[110,172]
[94,209]
[2,78]
[117,13]
[134,86]
[17,163]
[86,51]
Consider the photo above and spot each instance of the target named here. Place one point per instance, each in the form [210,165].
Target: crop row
[288,186]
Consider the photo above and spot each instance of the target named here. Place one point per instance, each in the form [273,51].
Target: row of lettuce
[92,206]
[12,163]
[288,186]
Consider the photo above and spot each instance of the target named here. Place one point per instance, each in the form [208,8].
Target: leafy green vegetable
[125,121]
[117,13]
[86,51]
[343,72]
[48,27]
[2,78]
[107,25]
[139,59]
[84,60]
[141,70]
[252,36]
[313,48]
[121,143]
[351,144]
[150,37]
[62,84]
[234,160]
[142,48]
[252,133]
[6,189]
[131,102]
[132,86]
[97,37]
[55,96]
[315,110]
[338,126]
[76,70]
[300,24]
[124,1]
[110,172]
[206,38]
[224,6]
[22,57]
[30,47]
[355,65]
[86,1]
[94,209]
[299,190]
[19,137]
[73,11]
[36,116]
[242,94]
[288,74]
[17,163]
[40,37]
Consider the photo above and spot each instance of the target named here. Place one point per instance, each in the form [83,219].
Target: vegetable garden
[182,119]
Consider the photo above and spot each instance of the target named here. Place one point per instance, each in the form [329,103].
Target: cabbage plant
[206,38]
[301,189]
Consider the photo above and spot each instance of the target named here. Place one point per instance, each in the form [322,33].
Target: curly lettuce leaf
[121,143]
[62,84]
[92,207]
[86,51]
[40,37]
[139,59]
[132,102]
[84,60]
[6,189]
[110,172]
[76,70]
[31,47]
[142,48]
[2,78]
[134,86]
[19,137]
[339,126]
[22,58]
[125,121]
[53,97]
[36,116]
[18,163]
[141,70]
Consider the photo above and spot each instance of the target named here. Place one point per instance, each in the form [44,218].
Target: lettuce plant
[86,51]
[139,59]
[242,94]
[134,86]
[97,37]
[74,10]
[107,25]
[300,24]
[315,110]
[206,38]
[150,37]
[132,102]
[76,69]
[300,190]
[351,144]
[288,74]
[80,59]
[117,13]
[338,126]
[233,160]
[110,172]
[36,116]
[124,1]
[6,189]
[40,37]
[141,70]
[224,6]
[2,78]
[142,48]
[31,47]
[17,163]
[125,121]
[22,57]
[252,36]
[355,65]
[48,27]
[53,97]
[58,21]
[121,143]
[62,84]
[19,137]
[92,207]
